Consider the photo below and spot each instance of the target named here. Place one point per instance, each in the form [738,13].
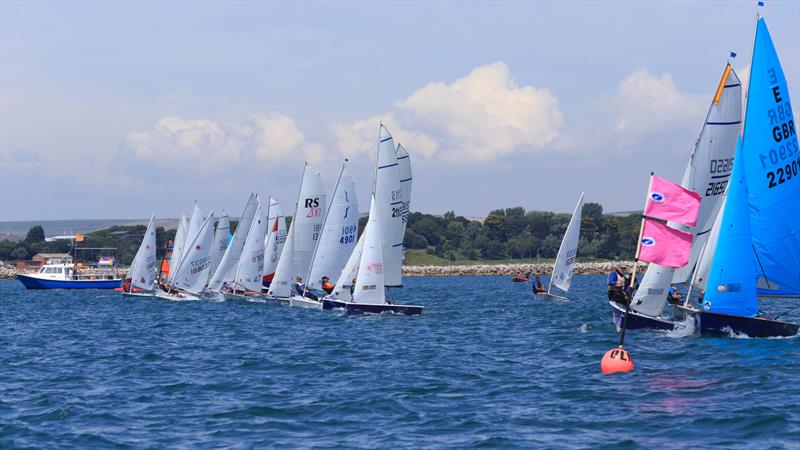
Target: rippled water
[485,365]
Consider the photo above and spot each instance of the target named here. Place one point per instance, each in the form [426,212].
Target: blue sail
[731,286]
[772,160]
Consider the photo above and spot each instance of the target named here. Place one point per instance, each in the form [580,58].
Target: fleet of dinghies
[265,261]
[729,231]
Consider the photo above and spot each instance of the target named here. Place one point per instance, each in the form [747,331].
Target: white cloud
[647,103]
[360,138]
[210,146]
[480,116]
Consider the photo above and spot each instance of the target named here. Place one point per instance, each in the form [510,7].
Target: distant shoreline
[583,268]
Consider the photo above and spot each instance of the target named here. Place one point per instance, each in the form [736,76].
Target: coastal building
[52,258]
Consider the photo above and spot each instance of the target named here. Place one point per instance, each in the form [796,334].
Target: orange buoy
[616,360]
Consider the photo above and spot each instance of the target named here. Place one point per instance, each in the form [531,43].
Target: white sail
[251,262]
[341,290]
[177,246]
[304,232]
[193,271]
[390,205]
[143,269]
[195,222]
[226,271]
[711,164]
[283,281]
[565,260]
[275,240]
[222,235]
[404,172]
[370,281]
[700,277]
[339,232]
[707,172]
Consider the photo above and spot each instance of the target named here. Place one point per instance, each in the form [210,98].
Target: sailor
[326,285]
[674,297]
[617,289]
[299,286]
[538,287]
[352,287]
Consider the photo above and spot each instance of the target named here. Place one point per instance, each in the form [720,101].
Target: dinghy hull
[638,321]
[329,305]
[724,325]
[178,297]
[361,308]
[550,296]
[302,302]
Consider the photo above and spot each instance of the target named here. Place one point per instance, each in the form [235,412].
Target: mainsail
[226,271]
[404,172]
[275,240]
[389,197]
[251,262]
[772,163]
[339,232]
[707,172]
[304,232]
[222,236]
[192,272]
[565,260]
[143,269]
[177,246]
[370,281]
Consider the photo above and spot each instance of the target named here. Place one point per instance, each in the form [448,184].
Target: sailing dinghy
[565,260]
[304,232]
[250,268]
[141,277]
[708,171]
[275,241]
[191,274]
[758,246]
[226,270]
[336,243]
[369,293]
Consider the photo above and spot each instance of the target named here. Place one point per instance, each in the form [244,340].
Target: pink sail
[669,201]
[664,245]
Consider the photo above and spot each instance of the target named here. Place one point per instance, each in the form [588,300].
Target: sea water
[486,365]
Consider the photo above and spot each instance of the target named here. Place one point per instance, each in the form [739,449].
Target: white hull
[301,302]
[179,297]
[139,294]
[551,296]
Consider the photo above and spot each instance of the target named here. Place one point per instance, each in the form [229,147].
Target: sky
[117,110]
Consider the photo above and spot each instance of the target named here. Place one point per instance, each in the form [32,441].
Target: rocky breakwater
[584,268]
[7,271]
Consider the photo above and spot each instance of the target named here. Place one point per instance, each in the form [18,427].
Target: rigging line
[761,266]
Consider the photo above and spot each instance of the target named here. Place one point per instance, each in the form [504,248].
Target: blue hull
[38,283]
[723,324]
[638,321]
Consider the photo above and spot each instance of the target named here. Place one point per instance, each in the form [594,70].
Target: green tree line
[511,233]
[515,233]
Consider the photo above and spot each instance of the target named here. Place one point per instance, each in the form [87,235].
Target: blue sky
[115,110]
